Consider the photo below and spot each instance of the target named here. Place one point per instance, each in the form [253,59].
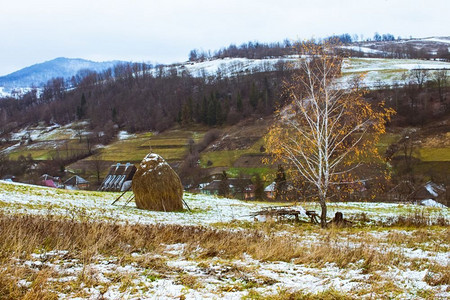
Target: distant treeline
[140,97]
[385,43]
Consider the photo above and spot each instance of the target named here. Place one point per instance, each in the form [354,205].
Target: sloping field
[74,244]
[49,141]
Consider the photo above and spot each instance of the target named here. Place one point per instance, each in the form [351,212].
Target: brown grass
[85,240]
[23,235]
[417,218]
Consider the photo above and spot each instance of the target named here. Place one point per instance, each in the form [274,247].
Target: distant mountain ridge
[37,75]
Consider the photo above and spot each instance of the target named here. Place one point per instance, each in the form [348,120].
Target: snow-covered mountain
[37,75]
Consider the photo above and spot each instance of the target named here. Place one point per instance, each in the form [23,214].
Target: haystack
[156,186]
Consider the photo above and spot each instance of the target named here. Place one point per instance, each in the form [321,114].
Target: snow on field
[363,49]
[123,135]
[438,40]
[23,198]
[379,71]
[219,278]
[52,132]
[232,66]
[206,209]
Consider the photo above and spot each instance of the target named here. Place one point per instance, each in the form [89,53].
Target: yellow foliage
[325,132]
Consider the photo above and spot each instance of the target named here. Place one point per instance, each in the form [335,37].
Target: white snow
[439,40]
[432,203]
[218,278]
[124,135]
[363,49]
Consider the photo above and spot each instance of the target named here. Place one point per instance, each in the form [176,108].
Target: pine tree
[224,187]
[204,111]
[239,105]
[254,96]
[211,118]
[81,109]
[219,114]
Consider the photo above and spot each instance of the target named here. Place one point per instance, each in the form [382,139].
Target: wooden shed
[119,177]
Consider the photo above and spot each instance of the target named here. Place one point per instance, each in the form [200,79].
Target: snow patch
[432,203]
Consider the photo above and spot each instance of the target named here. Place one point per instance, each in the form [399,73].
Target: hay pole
[189,209]
[121,196]
[128,201]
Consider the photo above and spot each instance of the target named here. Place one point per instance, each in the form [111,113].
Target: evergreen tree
[254,96]
[114,115]
[197,113]
[81,109]
[186,116]
[239,104]
[224,187]
[211,118]
[219,114]
[204,111]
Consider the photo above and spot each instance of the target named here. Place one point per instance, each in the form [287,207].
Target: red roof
[49,183]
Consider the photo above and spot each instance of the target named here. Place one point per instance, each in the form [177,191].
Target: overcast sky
[165,31]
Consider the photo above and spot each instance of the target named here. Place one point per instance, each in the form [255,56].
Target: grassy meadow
[75,244]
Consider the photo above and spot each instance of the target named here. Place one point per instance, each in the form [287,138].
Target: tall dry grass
[21,236]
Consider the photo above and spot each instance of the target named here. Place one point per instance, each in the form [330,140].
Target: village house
[50,181]
[241,188]
[430,191]
[76,183]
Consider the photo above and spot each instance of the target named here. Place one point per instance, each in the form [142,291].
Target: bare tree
[419,76]
[322,135]
[441,79]
[97,165]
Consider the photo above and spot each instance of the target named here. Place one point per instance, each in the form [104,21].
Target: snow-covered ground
[187,274]
[205,209]
[378,71]
[46,137]
[124,135]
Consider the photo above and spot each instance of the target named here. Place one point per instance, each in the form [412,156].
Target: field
[75,244]
[49,141]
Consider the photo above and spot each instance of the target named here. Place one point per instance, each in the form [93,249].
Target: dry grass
[86,240]
[418,218]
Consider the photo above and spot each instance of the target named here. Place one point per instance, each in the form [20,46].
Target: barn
[119,177]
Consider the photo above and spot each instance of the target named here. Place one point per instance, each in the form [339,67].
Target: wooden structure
[278,212]
[76,182]
[117,177]
[313,216]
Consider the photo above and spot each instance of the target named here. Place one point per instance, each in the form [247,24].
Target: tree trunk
[323,215]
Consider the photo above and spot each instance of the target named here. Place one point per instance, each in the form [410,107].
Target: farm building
[76,183]
[119,177]
[429,191]
[9,178]
[287,191]
[50,181]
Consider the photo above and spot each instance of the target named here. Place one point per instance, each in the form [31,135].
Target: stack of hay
[156,186]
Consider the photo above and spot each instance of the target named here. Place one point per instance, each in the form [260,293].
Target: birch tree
[325,132]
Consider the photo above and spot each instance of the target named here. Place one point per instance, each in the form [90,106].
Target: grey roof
[75,180]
